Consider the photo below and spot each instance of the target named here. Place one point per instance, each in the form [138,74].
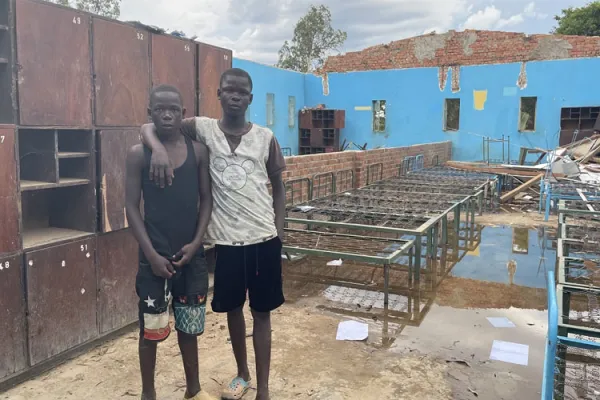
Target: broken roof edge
[439,50]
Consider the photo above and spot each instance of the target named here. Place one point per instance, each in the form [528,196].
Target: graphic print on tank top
[234,176]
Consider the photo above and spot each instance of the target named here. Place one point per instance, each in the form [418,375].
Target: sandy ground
[308,363]
[529,219]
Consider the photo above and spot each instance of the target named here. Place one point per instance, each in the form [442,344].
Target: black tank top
[171,213]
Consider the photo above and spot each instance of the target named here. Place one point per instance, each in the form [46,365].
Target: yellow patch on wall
[363,108]
[479,98]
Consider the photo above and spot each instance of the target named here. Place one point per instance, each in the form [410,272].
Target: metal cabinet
[212,62]
[12,319]
[121,55]
[54,76]
[174,63]
[61,298]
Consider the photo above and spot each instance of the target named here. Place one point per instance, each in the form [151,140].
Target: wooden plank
[117,270]
[9,197]
[594,149]
[589,206]
[113,147]
[484,168]
[521,188]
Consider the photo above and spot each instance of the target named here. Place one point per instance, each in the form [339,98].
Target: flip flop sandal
[236,389]
[201,395]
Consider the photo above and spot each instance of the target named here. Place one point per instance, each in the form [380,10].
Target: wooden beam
[589,206]
[521,188]
[484,168]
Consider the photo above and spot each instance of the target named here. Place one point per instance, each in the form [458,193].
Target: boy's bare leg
[147,352]
[188,345]
[262,348]
[237,332]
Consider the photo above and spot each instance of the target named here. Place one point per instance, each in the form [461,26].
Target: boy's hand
[161,169]
[161,267]
[186,254]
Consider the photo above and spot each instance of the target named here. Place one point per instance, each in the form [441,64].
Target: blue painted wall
[282,84]
[415,103]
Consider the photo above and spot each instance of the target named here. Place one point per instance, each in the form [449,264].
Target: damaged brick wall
[358,161]
[464,48]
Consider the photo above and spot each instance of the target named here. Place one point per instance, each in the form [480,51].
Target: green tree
[107,8]
[582,21]
[314,39]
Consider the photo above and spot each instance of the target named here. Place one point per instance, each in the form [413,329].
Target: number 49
[77,20]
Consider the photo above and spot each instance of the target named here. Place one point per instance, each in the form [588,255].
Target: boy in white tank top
[247,221]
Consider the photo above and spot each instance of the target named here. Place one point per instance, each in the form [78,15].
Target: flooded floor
[434,340]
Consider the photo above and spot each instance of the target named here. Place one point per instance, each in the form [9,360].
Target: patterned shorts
[185,292]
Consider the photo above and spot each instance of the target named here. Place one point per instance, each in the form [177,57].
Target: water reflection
[491,267]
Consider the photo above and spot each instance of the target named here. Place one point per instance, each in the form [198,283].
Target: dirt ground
[531,219]
[308,363]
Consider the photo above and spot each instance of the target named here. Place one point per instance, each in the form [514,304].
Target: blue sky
[255,30]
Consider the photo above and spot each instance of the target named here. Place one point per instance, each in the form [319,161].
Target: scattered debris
[578,162]
[508,352]
[352,330]
[501,322]
[474,392]
[521,188]
[459,361]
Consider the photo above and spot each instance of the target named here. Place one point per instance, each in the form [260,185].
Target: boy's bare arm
[278,188]
[205,209]
[161,168]
[133,194]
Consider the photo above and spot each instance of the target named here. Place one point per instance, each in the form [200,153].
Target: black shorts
[186,291]
[253,269]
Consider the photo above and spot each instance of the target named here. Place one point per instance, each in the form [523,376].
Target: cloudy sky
[255,29]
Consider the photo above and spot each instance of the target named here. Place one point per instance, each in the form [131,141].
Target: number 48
[77,20]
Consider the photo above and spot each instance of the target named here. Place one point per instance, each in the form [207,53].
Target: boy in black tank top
[172,266]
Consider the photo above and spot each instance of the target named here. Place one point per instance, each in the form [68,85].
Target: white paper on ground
[513,353]
[501,322]
[335,263]
[305,208]
[352,330]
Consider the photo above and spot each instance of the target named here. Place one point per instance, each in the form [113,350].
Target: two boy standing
[218,189]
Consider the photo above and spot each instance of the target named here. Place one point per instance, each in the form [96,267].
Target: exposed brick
[469,47]
[359,162]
